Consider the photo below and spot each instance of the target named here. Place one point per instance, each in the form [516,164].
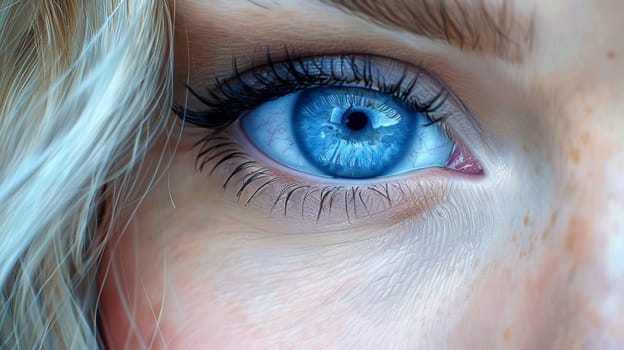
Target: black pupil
[356,120]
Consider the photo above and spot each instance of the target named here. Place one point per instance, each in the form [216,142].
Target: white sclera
[268,127]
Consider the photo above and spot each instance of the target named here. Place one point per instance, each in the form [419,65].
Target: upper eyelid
[303,72]
[450,105]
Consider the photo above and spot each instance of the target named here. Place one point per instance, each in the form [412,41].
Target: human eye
[331,138]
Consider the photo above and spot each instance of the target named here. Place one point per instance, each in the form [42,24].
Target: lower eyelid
[253,181]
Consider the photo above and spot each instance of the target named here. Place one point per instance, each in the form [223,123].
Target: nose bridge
[595,243]
[610,256]
[611,223]
[594,237]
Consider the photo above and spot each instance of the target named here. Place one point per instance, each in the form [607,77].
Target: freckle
[513,238]
[611,55]
[570,240]
[575,155]
[553,217]
[576,241]
[526,220]
[589,111]
[585,138]
[506,334]
[545,235]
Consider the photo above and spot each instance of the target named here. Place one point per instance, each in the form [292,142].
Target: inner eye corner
[462,160]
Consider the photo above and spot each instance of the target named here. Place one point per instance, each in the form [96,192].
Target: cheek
[522,300]
[150,296]
[187,287]
[160,279]
[193,275]
[197,292]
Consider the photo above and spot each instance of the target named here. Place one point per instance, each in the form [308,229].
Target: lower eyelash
[253,184]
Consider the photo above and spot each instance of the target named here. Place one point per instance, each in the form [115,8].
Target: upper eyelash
[231,97]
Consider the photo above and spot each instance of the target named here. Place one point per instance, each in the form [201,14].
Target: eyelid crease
[496,30]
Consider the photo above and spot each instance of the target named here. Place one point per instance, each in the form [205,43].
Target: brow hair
[477,25]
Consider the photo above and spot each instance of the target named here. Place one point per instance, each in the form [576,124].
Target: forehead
[602,15]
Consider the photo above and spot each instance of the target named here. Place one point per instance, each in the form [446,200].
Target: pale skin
[530,255]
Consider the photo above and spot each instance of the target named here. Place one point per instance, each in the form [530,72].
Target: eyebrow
[488,27]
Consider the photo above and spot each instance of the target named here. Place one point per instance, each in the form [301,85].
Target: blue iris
[351,132]
[346,132]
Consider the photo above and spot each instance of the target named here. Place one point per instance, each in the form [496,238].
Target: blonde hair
[85,88]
